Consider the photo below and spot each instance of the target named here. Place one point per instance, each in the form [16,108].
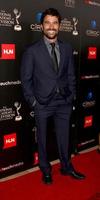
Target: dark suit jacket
[39,80]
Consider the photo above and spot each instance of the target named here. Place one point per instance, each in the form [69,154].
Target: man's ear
[41,27]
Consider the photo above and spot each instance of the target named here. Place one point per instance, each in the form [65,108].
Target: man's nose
[51,26]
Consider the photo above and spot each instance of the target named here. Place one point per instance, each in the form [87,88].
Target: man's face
[50,27]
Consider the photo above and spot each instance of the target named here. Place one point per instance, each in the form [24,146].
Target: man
[48,82]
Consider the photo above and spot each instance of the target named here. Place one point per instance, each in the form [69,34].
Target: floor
[37,168]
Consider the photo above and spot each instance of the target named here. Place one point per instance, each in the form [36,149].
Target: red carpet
[30,186]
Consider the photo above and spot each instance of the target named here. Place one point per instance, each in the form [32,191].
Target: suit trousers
[61,111]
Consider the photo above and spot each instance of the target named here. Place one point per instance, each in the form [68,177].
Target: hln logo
[88,121]
[10,140]
[92,53]
[7,51]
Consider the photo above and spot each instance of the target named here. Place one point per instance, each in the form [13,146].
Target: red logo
[7,51]
[36,158]
[10,140]
[88,121]
[92,53]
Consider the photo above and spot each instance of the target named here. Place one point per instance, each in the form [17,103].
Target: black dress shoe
[73,173]
[47,179]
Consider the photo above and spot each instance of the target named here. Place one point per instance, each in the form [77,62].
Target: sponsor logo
[11,166]
[7,51]
[17,26]
[18,107]
[92,31]
[90,77]
[38,17]
[86,142]
[10,140]
[75,52]
[6,19]
[69,25]
[10,19]
[36,158]
[36,26]
[70,3]
[75,22]
[93,24]
[88,121]
[90,102]
[6,113]
[92,53]
[9,83]
[92,2]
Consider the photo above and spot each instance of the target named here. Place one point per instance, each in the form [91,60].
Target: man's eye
[46,22]
[55,22]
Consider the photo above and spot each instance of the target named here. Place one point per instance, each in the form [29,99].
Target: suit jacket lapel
[47,57]
[62,55]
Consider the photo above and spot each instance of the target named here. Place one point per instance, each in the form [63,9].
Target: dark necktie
[54,57]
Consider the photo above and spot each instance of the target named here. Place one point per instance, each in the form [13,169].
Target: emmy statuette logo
[17,106]
[75,32]
[17,13]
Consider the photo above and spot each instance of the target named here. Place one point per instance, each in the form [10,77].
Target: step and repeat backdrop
[20,26]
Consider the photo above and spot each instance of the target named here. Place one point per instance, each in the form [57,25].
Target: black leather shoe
[73,173]
[47,179]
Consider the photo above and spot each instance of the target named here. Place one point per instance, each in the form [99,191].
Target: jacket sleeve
[71,75]
[27,69]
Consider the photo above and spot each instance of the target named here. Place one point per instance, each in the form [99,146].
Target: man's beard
[50,36]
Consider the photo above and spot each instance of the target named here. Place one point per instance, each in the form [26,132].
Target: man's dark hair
[52,12]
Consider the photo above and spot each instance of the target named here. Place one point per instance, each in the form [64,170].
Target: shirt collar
[48,43]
